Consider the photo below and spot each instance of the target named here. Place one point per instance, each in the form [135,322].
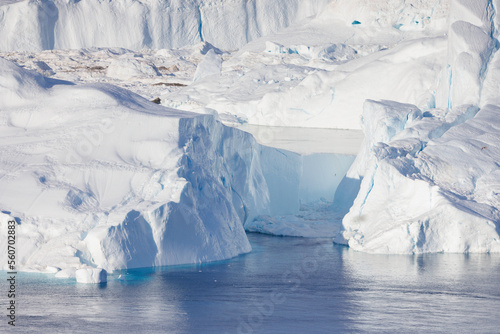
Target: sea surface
[285,285]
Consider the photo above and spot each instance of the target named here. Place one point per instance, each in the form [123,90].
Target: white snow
[428,182]
[319,73]
[93,171]
[127,68]
[91,275]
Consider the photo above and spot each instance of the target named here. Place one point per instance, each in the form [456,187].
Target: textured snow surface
[319,73]
[97,175]
[428,183]
[316,73]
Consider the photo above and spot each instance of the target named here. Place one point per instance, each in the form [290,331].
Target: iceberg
[417,193]
[428,181]
[91,275]
[96,176]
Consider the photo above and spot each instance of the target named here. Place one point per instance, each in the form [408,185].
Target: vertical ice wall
[154,24]
[425,186]
[471,45]
[428,182]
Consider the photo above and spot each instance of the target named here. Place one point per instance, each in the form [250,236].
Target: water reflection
[286,285]
[430,292]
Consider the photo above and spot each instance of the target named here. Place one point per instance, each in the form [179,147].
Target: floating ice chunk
[417,192]
[51,269]
[91,275]
[316,220]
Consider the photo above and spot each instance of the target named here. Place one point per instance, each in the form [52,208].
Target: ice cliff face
[98,176]
[428,181]
[153,24]
[418,193]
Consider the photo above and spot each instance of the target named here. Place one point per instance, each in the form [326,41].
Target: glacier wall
[98,176]
[406,15]
[154,24]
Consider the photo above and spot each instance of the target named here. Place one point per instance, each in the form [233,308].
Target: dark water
[286,285]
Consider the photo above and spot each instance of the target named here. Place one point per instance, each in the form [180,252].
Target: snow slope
[136,24]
